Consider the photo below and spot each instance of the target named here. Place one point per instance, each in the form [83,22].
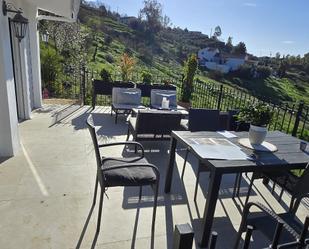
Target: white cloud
[288,42]
[250,4]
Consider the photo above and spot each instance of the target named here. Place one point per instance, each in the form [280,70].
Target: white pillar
[9,135]
[35,56]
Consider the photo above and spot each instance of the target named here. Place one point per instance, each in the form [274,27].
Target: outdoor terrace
[46,191]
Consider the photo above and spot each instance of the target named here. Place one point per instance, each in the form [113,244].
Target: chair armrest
[124,143]
[268,212]
[288,245]
[132,165]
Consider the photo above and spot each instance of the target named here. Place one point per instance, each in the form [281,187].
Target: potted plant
[259,116]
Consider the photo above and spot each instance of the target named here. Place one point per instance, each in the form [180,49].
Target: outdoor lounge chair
[124,100]
[153,124]
[298,187]
[157,95]
[282,229]
[101,87]
[113,172]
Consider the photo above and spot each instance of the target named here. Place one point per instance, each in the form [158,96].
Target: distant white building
[214,59]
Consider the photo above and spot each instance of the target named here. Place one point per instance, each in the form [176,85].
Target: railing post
[220,97]
[183,237]
[297,119]
[83,84]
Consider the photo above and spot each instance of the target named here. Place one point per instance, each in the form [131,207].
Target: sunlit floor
[47,189]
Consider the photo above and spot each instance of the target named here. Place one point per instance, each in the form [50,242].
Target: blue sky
[266,26]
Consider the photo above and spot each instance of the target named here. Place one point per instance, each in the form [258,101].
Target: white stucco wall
[9,135]
[234,63]
[206,54]
[217,67]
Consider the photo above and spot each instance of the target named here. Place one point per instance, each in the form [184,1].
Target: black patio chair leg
[155,204]
[249,190]
[236,185]
[140,193]
[196,184]
[116,117]
[273,188]
[295,205]
[128,134]
[95,191]
[100,211]
[184,164]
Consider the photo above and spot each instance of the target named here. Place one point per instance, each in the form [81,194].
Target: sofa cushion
[171,97]
[128,97]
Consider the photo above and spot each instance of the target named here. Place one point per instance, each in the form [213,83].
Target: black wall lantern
[20,23]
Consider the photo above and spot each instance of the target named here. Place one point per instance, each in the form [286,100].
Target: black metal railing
[289,118]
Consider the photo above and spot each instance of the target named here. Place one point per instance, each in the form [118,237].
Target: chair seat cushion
[129,98]
[127,106]
[129,176]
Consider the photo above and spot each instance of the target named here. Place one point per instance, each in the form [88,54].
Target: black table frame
[288,157]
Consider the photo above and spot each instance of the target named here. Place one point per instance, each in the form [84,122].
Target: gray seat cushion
[127,107]
[129,176]
[129,98]
[171,97]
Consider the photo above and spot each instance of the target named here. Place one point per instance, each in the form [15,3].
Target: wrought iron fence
[289,118]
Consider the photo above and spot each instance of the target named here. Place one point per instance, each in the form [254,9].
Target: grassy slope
[291,89]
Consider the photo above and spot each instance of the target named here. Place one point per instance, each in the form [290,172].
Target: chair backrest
[130,96]
[101,87]
[157,122]
[203,120]
[157,96]
[92,131]
[164,87]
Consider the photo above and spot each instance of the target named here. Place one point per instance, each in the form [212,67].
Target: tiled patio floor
[46,190]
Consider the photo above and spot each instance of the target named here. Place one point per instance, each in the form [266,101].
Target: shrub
[127,64]
[263,72]
[109,58]
[105,75]
[216,75]
[189,73]
[50,69]
[108,40]
[244,72]
[259,114]
[146,77]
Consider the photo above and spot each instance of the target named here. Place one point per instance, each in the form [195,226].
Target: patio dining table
[287,157]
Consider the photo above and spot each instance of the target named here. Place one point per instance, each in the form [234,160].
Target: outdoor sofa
[124,100]
[153,124]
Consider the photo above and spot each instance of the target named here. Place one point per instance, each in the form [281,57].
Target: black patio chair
[131,171]
[284,230]
[201,120]
[297,187]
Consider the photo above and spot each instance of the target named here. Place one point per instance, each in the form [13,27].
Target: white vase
[257,134]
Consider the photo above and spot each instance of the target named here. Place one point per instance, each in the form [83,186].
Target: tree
[189,73]
[152,13]
[127,64]
[240,49]
[229,44]
[166,21]
[218,32]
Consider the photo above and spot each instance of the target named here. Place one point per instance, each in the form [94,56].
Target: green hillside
[162,54]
